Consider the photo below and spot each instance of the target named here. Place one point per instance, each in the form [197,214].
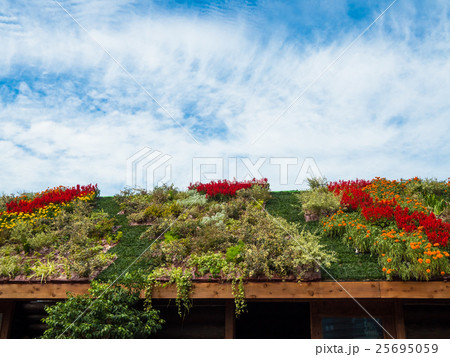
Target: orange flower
[383,255]
[428,261]
[389,260]
[384,269]
[420,260]
[442,272]
[349,237]
[428,270]
[389,271]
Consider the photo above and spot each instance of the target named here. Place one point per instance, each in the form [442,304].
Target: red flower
[225,187]
[374,211]
[56,195]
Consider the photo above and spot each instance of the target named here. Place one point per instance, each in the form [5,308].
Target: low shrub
[320,201]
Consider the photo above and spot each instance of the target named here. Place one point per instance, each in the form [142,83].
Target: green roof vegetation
[222,231]
[349,265]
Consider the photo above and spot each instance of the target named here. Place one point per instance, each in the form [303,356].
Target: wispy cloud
[70,115]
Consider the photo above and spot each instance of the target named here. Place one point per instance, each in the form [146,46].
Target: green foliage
[320,201]
[142,206]
[193,198]
[129,247]
[255,193]
[402,254]
[217,219]
[106,312]
[4,199]
[208,263]
[231,241]
[238,291]
[435,204]
[10,266]
[43,270]
[317,182]
[347,264]
[181,278]
[21,233]
[70,243]
[171,236]
[234,254]
[445,214]
[42,240]
[425,187]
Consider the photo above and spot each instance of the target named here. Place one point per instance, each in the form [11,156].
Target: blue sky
[226,71]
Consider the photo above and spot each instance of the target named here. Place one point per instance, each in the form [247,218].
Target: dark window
[204,320]
[27,319]
[274,320]
[427,321]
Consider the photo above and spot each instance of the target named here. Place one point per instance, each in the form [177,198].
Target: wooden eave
[253,290]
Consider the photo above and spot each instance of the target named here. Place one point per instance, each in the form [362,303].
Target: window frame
[388,311]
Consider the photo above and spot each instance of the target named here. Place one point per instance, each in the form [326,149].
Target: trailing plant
[238,291]
[182,280]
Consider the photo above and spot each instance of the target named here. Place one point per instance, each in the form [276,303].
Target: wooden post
[230,319]
[315,321]
[7,311]
[399,319]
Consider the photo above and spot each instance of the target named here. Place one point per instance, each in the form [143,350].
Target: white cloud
[380,111]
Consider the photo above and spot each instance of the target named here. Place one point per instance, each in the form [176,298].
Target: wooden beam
[254,290]
[230,320]
[279,290]
[415,289]
[41,291]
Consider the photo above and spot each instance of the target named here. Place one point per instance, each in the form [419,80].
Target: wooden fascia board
[254,290]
